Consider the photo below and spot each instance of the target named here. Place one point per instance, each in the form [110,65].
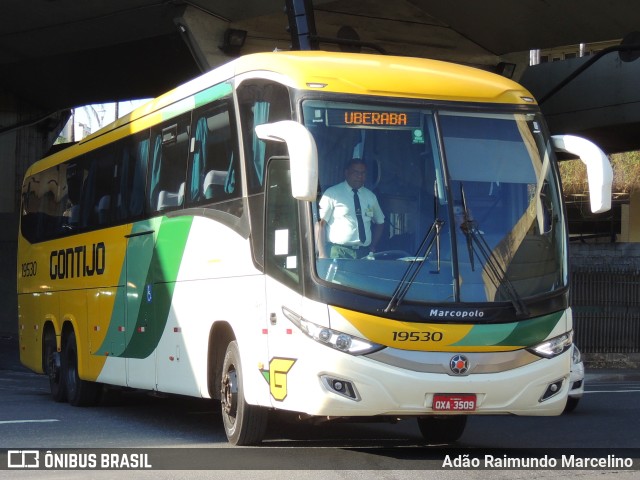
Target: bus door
[106,311]
[153,248]
[139,319]
[283,276]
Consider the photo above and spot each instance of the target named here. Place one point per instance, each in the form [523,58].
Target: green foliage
[626,171]
[574,177]
[626,174]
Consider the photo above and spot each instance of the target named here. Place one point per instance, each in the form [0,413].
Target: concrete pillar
[634,217]
[624,224]
[25,141]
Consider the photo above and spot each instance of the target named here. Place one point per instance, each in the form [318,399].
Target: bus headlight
[576,356]
[554,346]
[332,338]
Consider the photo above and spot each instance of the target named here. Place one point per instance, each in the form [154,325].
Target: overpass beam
[302,24]
[204,34]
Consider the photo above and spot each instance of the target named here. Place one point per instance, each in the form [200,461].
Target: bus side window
[214,157]
[169,151]
[28,222]
[261,101]
[30,206]
[98,187]
[282,252]
[76,174]
[132,180]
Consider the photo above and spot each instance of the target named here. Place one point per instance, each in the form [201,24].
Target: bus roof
[383,75]
[364,74]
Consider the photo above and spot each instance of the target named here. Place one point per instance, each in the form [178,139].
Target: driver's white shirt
[338,210]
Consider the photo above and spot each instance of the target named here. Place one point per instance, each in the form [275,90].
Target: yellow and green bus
[177,250]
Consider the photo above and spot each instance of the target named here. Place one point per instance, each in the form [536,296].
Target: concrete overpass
[602,102]
[60,54]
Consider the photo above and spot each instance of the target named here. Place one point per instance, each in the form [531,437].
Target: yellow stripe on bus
[409,335]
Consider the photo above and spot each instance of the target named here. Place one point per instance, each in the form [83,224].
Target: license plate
[446,402]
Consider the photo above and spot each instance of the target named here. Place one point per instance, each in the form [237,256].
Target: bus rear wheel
[80,393]
[244,424]
[53,367]
[442,429]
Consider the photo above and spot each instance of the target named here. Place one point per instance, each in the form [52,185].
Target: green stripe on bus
[155,301]
[201,98]
[154,254]
[178,108]
[534,331]
[522,334]
[213,93]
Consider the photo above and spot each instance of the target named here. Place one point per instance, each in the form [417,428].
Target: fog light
[552,390]
[341,387]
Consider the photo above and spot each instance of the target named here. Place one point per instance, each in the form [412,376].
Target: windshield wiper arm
[467,227]
[410,274]
[498,276]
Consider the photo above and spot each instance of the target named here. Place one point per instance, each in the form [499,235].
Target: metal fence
[606,309]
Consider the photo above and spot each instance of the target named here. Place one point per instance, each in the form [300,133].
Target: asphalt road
[187,434]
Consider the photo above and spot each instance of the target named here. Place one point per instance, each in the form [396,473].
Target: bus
[177,250]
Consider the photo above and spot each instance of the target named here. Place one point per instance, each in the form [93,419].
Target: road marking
[612,391]
[30,421]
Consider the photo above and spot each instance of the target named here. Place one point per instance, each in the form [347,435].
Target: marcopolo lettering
[76,262]
[437,312]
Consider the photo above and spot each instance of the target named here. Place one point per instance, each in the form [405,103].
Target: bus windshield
[467,203]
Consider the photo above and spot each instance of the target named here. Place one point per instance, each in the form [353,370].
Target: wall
[623,255]
[25,137]
[605,296]
[8,301]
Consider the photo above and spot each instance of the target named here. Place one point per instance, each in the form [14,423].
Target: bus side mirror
[599,171]
[303,155]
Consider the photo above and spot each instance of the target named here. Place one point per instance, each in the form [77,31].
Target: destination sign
[372,118]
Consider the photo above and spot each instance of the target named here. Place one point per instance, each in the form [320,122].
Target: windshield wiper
[476,243]
[415,264]
[467,227]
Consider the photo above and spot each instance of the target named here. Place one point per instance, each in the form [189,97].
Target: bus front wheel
[442,429]
[80,393]
[244,424]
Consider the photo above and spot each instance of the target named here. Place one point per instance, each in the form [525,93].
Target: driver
[347,212]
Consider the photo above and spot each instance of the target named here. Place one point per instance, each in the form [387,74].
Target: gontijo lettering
[75,262]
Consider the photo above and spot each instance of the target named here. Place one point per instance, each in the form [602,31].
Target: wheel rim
[229,393]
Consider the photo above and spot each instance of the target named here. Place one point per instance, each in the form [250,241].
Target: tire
[53,367]
[244,424]
[80,393]
[442,429]
[571,405]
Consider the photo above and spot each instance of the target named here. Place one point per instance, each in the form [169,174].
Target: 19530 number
[404,336]
[29,269]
